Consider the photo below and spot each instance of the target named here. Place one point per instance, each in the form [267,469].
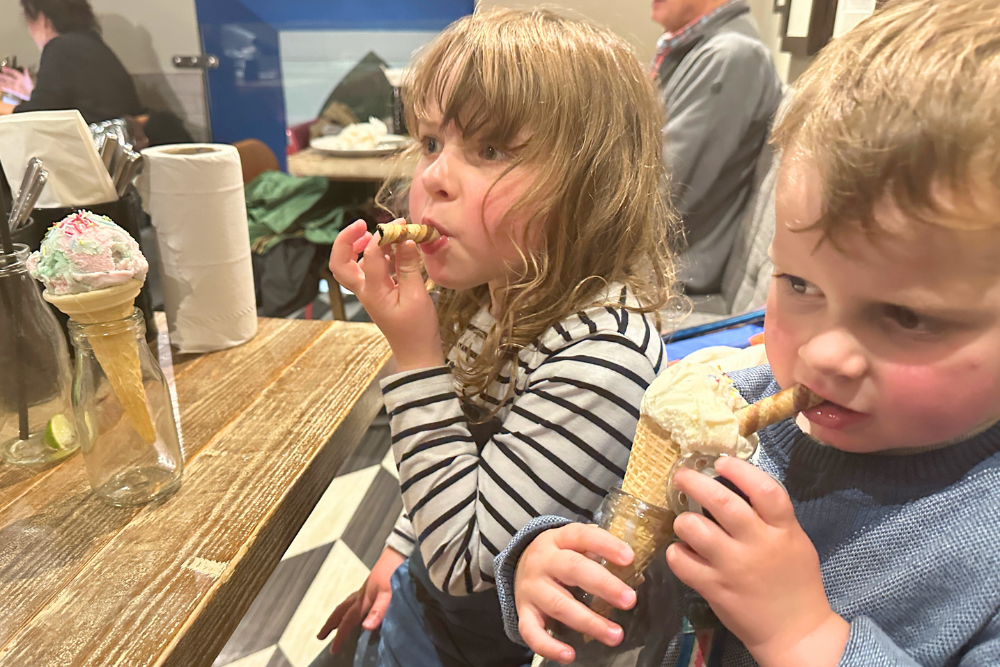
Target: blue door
[278,60]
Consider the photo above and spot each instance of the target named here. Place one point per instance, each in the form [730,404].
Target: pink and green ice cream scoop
[86,252]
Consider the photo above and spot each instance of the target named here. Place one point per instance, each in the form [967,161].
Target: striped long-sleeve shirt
[555,448]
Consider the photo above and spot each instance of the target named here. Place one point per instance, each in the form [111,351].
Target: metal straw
[14,296]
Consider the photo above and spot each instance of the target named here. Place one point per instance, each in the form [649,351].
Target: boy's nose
[437,178]
[835,352]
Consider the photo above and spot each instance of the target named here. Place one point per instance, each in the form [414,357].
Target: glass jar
[647,529]
[123,407]
[37,425]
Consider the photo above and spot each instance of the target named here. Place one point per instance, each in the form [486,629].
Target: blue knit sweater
[909,544]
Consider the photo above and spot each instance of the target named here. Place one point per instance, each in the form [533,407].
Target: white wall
[628,18]
[145,35]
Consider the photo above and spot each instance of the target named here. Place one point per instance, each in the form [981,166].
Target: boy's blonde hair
[904,109]
[592,123]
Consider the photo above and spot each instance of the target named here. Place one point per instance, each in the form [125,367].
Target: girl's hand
[400,305]
[556,560]
[369,602]
[756,568]
[18,84]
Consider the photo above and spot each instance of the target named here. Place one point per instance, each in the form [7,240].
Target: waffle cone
[646,532]
[653,454]
[116,351]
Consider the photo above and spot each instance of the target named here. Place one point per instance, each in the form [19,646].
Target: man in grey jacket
[720,88]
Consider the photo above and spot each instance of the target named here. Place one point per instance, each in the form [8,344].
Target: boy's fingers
[689,567]
[584,538]
[729,510]
[563,607]
[532,629]
[768,498]
[703,536]
[575,569]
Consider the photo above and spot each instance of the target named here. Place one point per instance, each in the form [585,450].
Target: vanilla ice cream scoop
[696,404]
[85,252]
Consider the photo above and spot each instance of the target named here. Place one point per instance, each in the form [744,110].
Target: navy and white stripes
[561,442]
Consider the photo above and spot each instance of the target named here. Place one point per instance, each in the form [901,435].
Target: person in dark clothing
[77,69]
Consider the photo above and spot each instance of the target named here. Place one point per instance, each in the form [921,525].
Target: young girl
[517,392]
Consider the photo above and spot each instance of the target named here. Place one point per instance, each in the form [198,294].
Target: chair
[747,275]
[256,157]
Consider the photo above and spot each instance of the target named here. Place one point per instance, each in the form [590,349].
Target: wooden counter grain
[264,426]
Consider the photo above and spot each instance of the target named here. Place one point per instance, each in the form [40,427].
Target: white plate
[390,143]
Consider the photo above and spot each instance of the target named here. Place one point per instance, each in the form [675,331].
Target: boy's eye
[907,319]
[798,285]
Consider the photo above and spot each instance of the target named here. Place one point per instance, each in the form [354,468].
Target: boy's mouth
[833,415]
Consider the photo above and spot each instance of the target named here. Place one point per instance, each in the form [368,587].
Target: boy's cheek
[937,404]
[781,346]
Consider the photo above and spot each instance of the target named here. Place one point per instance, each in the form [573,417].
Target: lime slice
[60,432]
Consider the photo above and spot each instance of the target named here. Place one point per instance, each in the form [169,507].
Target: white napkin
[62,141]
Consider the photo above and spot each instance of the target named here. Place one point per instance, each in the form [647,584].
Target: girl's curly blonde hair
[598,203]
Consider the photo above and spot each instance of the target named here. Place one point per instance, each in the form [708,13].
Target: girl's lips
[434,246]
[833,416]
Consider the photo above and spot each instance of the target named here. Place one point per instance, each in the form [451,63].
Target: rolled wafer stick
[396,233]
[773,409]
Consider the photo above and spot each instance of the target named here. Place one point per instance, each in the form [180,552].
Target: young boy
[885,549]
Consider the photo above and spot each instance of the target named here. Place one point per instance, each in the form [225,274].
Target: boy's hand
[400,305]
[556,560]
[756,568]
[369,602]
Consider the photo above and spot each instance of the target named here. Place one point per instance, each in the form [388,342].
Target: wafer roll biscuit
[773,409]
[397,233]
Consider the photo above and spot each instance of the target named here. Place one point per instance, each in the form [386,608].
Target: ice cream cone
[653,454]
[645,528]
[397,233]
[117,350]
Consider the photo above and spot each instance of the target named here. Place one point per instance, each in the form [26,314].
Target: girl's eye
[430,144]
[491,154]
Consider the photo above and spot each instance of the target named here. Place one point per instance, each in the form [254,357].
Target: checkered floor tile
[329,558]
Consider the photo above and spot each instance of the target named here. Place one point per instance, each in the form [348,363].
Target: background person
[77,69]
[720,89]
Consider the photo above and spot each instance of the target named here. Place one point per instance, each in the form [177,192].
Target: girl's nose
[835,354]
[437,178]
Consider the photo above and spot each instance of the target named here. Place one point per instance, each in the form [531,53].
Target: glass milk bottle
[122,403]
[36,416]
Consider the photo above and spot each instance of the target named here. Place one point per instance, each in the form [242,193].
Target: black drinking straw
[14,297]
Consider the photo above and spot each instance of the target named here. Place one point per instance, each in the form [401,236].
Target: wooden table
[265,427]
[311,162]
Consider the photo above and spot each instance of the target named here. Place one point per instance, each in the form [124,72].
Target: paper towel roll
[194,195]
